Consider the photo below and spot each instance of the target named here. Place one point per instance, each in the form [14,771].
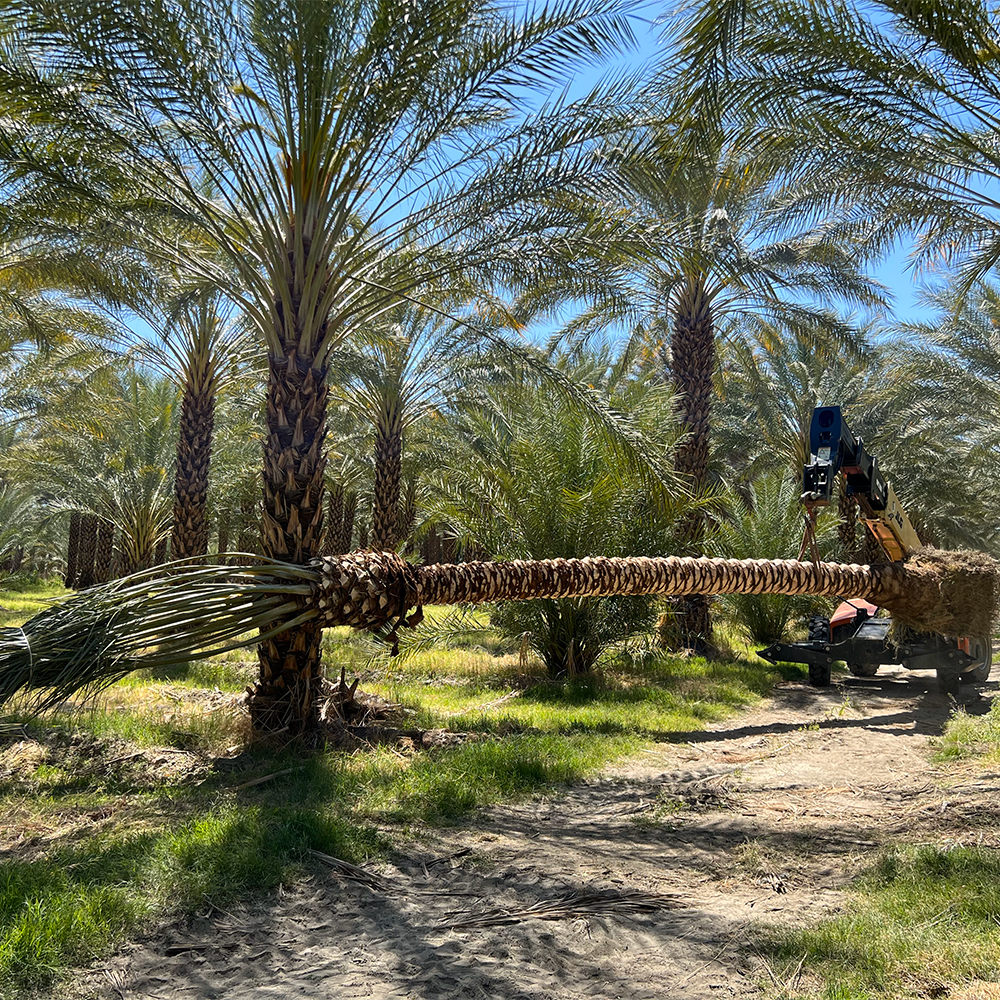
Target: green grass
[922,921]
[27,598]
[968,736]
[106,829]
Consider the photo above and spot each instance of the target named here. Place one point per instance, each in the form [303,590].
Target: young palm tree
[531,477]
[199,347]
[356,153]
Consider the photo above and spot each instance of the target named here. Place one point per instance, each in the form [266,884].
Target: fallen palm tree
[195,610]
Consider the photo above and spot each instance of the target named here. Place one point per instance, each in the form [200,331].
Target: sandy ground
[641,883]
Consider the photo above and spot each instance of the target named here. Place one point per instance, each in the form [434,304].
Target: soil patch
[640,883]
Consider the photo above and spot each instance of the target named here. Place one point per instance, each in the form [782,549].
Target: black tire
[981,647]
[863,669]
[845,631]
[819,629]
[820,674]
[949,679]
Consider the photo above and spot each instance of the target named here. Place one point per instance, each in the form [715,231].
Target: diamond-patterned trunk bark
[284,699]
[388,471]
[87,552]
[953,593]
[334,521]
[693,352]
[105,554]
[347,522]
[194,454]
[73,549]
[847,527]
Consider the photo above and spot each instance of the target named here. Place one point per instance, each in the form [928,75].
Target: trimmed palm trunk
[388,473]
[73,548]
[693,349]
[285,697]
[152,621]
[334,521]
[87,551]
[104,556]
[194,454]
[847,526]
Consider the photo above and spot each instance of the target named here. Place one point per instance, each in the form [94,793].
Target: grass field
[154,802]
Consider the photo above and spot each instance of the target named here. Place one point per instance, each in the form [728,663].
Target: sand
[640,883]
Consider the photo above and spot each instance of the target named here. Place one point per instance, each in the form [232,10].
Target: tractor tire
[820,674]
[863,669]
[949,679]
[845,631]
[819,629]
[982,647]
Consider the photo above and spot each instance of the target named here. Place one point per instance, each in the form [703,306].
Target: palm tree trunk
[388,472]
[847,526]
[160,552]
[946,592]
[334,521]
[693,360]
[73,549]
[284,698]
[194,454]
[347,522]
[104,555]
[86,552]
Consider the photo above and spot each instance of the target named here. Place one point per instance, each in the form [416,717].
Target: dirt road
[641,883]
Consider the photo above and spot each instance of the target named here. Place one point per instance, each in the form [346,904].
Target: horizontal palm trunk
[159,620]
[952,593]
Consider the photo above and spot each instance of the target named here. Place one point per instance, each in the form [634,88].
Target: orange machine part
[848,610]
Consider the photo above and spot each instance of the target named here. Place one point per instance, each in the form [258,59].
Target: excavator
[857,633]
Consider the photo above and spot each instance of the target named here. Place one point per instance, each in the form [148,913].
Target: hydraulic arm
[856,634]
[836,449]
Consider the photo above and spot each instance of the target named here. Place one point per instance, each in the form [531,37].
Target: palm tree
[888,113]
[411,365]
[150,620]
[110,464]
[199,347]
[733,262]
[356,154]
